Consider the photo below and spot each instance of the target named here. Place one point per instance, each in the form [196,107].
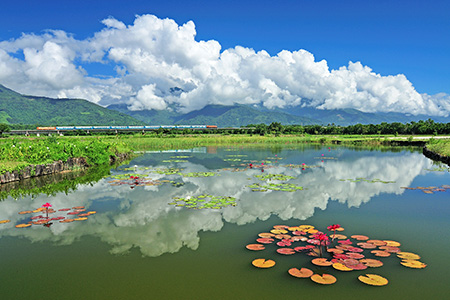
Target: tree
[4,128]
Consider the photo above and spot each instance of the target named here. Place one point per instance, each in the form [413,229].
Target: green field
[18,152]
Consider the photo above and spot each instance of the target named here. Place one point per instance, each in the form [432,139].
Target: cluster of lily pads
[359,179]
[133,181]
[175,160]
[43,216]
[198,174]
[303,166]
[430,189]
[168,171]
[280,177]
[331,252]
[284,187]
[232,159]
[204,201]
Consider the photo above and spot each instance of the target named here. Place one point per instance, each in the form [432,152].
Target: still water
[143,242]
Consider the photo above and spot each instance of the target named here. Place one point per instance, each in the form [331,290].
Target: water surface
[139,246]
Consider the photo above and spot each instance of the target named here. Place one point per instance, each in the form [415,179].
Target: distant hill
[350,116]
[220,115]
[20,109]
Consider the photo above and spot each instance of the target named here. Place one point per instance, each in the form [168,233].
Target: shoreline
[72,164]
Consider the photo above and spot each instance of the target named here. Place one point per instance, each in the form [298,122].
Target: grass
[441,147]
[18,152]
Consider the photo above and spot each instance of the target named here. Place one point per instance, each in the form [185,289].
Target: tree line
[427,127]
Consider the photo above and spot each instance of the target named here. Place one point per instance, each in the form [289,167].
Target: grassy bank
[16,153]
[441,147]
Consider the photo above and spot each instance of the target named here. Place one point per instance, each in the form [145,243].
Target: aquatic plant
[345,256]
[284,187]
[204,201]
[199,174]
[280,177]
[359,179]
[430,189]
[79,213]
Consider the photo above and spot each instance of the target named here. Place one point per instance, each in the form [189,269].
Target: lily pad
[341,267]
[377,242]
[323,279]
[255,247]
[373,263]
[302,273]
[407,255]
[392,243]
[266,235]
[263,263]
[323,262]
[23,225]
[360,237]
[265,240]
[373,279]
[411,263]
[380,253]
[338,236]
[286,251]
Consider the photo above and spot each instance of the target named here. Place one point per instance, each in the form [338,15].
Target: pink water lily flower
[47,205]
[333,227]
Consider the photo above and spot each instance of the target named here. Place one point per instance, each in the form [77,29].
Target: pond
[175,225]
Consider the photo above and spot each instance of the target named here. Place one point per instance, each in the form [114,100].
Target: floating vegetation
[124,176]
[233,169]
[237,155]
[302,166]
[175,160]
[439,167]
[168,171]
[134,181]
[204,201]
[181,156]
[373,279]
[430,189]
[263,263]
[329,254]
[285,187]
[359,179]
[280,177]
[325,157]
[199,174]
[79,213]
[232,159]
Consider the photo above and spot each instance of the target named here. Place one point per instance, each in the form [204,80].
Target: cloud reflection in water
[142,218]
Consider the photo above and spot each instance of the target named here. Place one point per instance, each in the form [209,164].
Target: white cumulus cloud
[152,56]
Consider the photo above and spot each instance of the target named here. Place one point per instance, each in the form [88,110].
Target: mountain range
[16,108]
[20,109]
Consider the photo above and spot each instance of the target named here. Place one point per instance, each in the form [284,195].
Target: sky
[377,56]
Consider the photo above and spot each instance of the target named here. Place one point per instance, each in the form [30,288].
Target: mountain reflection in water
[141,217]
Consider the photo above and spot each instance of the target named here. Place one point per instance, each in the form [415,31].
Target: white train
[125,127]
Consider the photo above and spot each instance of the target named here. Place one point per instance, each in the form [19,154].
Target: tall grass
[439,146]
[16,153]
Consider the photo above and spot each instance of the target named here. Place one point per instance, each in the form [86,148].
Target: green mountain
[220,115]
[350,116]
[20,109]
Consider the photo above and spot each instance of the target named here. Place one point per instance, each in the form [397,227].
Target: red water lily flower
[47,205]
[320,236]
[333,227]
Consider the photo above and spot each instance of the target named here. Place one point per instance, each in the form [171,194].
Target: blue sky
[390,37]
